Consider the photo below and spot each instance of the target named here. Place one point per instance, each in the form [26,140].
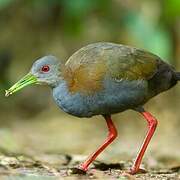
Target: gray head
[46,70]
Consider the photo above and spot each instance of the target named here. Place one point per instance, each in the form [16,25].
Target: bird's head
[46,70]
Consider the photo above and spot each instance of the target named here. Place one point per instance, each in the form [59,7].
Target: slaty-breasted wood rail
[104,79]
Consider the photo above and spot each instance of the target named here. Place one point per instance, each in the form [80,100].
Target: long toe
[133,171]
[78,170]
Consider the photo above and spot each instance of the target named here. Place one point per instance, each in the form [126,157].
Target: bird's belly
[115,97]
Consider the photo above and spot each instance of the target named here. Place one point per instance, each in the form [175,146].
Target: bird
[104,78]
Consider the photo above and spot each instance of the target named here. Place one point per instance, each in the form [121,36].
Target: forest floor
[58,166]
[29,148]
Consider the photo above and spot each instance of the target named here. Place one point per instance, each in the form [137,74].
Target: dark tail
[177,76]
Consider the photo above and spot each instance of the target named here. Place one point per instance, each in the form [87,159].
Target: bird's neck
[60,78]
[56,83]
[64,77]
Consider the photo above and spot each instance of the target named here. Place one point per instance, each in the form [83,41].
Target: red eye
[45,68]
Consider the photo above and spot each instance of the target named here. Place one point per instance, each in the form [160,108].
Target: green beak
[25,81]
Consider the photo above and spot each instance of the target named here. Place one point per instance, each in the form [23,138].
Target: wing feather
[91,64]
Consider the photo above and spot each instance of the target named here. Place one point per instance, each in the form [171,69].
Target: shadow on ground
[59,166]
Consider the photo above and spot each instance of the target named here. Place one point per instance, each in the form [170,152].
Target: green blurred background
[31,123]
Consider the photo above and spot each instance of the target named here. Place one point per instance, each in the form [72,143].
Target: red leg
[111,136]
[152,124]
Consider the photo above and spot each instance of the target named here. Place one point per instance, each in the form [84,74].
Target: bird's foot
[133,171]
[79,170]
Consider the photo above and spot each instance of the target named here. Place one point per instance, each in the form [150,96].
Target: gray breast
[116,97]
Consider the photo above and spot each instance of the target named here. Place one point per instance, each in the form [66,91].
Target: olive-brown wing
[134,64]
[87,68]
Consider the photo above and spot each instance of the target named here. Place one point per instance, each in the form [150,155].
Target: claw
[78,170]
[137,171]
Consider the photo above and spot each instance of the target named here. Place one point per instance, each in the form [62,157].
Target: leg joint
[153,123]
[113,134]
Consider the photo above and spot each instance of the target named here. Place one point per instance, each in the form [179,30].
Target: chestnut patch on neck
[86,78]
